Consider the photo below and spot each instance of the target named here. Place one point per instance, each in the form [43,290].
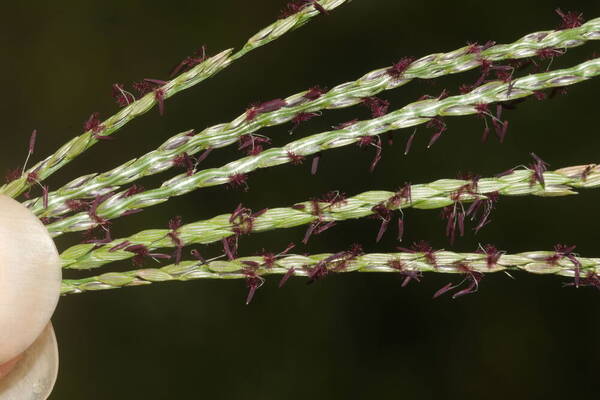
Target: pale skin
[30,279]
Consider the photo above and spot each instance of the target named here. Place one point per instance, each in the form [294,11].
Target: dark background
[351,335]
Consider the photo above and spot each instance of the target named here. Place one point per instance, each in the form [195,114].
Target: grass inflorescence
[506,75]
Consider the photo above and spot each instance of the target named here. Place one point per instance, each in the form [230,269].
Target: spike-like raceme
[432,195]
[406,263]
[195,75]
[343,95]
[413,114]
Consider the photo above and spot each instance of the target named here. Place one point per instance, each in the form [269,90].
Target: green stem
[437,194]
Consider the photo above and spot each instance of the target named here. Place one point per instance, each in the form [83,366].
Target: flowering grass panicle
[507,74]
